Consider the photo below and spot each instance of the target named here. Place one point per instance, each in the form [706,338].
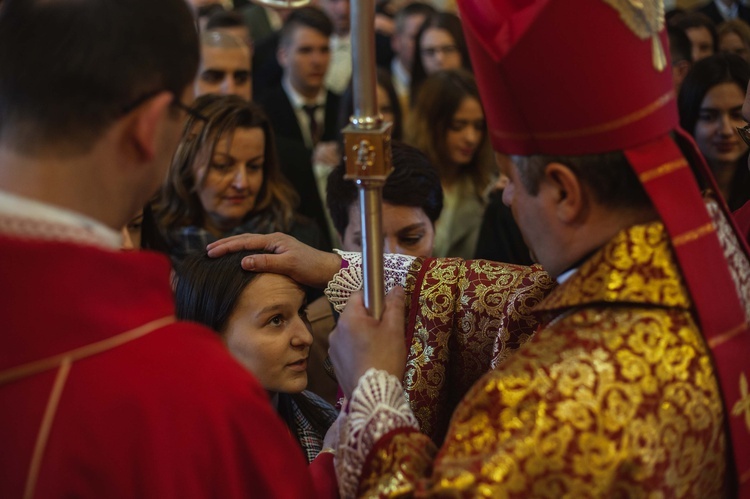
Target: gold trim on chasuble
[742,407]
[636,267]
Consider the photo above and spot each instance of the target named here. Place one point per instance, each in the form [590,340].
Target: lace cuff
[349,278]
[377,407]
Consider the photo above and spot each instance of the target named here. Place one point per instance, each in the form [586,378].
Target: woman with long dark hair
[262,320]
[447,124]
[710,105]
[439,45]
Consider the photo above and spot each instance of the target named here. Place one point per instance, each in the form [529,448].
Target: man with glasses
[103,393]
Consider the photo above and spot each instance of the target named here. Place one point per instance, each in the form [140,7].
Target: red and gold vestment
[615,396]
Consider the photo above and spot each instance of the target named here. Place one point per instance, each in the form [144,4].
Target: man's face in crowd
[305,59]
[224,71]
[338,12]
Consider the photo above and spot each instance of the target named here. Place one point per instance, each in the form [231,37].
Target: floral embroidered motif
[616,397]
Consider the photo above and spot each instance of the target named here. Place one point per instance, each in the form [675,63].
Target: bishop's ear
[567,190]
[144,125]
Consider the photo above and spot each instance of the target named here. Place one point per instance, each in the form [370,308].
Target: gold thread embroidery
[604,127]
[84,351]
[46,426]
[662,170]
[645,18]
[724,337]
[693,235]
[743,404]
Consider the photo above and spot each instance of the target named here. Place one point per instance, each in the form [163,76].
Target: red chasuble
[103,394]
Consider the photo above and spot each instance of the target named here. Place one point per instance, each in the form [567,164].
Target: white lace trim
[377,407]
[31,219]
[348,280]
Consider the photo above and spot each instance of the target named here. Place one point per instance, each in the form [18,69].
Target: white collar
[31,218]
[298,100]
[338,41]
[727,12]
[566,275]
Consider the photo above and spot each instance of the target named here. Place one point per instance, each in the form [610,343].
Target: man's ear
[144,125]
[282,55]
[568,193]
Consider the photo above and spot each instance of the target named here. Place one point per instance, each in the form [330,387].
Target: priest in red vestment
[102,392]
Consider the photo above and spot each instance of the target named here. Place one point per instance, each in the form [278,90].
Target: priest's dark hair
[72,67]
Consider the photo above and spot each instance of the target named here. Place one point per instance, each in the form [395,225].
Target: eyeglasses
[744,133]
[176,102]
[191,111]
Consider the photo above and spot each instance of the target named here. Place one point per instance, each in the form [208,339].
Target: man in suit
[303,112]
[724,10]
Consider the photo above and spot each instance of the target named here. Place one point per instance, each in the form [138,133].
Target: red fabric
[324,476]
[167,415]
[742,218]
[520,50]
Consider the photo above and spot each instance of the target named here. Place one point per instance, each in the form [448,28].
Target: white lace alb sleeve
[377,407]
[349,279]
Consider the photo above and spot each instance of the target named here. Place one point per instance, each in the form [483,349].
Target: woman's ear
[568,193]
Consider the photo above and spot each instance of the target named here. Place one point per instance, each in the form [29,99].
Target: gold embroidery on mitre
[743,404]
[645,18]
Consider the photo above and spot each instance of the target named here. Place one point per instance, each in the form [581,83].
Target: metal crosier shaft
[368,152]
[367,145]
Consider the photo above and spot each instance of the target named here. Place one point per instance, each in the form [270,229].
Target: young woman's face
[407,230]
[720,114]
[268,333]
[232,178]
[465,132]
[439,51]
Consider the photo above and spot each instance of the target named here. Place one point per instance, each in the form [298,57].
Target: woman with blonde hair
[225,180]
[447,124]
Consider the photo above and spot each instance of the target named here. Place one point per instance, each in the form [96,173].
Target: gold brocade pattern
[635,267]
[471,316]
[616,397]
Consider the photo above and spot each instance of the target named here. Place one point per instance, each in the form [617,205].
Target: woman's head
[439,45]
[386,100]
[734,37]
[412,202]
[225,168]
[447,123]
[260,317]
[710,105]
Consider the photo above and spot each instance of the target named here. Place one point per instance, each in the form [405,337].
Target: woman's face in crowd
[465,132]
[385,106]
[720,114]
[731,42]
[439,51]
[268,333]
[232,178]
[407,230]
